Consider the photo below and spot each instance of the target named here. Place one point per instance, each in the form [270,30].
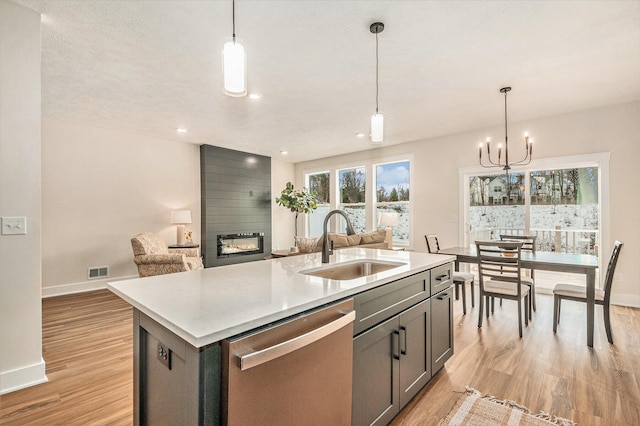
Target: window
[392,196]
[363,191]
[565,209]
[563,201]
[496,205]
[352,184]
[319,182]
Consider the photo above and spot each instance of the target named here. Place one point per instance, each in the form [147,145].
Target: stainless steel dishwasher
[294,373]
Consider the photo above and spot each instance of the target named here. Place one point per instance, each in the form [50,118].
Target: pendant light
[234,64]
[377,119]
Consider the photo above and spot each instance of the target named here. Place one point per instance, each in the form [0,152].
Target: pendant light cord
[233,18]
[376,73]
[505,119]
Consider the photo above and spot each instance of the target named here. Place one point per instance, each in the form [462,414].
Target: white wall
[21,362]
[101,187]
[282,220]
[434,188]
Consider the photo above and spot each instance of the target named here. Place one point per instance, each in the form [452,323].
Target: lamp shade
[388,219]
[180,216]
[233,65]
[377,128]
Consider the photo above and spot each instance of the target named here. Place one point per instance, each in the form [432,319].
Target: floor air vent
[98,272]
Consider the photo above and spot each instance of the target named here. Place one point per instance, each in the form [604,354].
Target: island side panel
[174,382]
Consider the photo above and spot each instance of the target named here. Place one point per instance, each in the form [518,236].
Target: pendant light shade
[377,128]
[377,119]
[234,63]
[234,68]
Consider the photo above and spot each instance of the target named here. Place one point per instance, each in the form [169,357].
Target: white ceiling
[150,67]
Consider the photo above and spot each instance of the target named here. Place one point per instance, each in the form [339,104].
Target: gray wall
[236,199]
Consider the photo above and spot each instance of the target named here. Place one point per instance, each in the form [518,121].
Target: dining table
[585,264]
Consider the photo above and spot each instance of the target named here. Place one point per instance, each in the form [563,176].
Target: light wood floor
[87,343]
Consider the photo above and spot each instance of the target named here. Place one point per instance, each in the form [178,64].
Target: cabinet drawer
[441,278]
[378,304]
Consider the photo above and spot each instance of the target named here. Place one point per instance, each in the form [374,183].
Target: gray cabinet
[391,363]
[441,329]
[413,338]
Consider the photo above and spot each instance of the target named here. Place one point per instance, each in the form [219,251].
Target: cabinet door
[415,350]
[441,329]
[375,374]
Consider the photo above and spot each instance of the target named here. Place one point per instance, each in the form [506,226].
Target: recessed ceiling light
[255,96]
[181,130]
[284,152]
[360,135]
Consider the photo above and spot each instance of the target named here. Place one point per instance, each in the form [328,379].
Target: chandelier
[504,162]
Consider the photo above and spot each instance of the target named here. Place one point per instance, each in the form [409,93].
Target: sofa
[374,239]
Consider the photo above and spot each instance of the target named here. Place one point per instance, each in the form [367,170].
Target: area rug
[474,409]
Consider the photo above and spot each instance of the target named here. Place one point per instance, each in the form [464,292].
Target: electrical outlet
[14,225]
[164,355]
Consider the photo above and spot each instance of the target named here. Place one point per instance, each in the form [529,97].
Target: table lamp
[180,218]
[388,219]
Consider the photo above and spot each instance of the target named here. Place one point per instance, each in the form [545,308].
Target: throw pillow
[339,240]
[373,237]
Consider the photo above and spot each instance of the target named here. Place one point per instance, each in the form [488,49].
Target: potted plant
[298,201]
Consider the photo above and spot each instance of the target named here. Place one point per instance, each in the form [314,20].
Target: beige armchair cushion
[151,255]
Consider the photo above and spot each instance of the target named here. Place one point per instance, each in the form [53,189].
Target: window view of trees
[564,186]
[352,197]
[352,185]
[320,182]
[392,195]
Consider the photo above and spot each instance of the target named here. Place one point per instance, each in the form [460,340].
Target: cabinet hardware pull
[442,277]
[443,296]
[396,337]
[256,358]
[404,351]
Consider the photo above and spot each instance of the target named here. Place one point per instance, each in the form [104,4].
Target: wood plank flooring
[87,344]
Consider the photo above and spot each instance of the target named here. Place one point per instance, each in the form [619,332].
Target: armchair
[152,256]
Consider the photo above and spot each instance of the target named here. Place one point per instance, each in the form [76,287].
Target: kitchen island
[181,319]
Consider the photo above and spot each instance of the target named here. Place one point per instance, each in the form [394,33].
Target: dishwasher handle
[253,359]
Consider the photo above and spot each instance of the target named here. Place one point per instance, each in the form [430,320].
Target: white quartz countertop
[209,305]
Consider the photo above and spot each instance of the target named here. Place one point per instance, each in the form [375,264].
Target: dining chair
[529,243]
[460,279]
[579,293]
[500,275]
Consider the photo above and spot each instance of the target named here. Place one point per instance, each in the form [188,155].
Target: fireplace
[240,244]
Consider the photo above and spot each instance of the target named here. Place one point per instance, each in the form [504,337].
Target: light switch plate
[14,225]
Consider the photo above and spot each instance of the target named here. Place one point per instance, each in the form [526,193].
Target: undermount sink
[352,269]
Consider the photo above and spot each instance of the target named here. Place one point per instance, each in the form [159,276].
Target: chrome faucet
[326,250]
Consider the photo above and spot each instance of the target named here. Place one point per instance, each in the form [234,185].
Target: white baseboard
[630,300]
[23,377]
[82,287]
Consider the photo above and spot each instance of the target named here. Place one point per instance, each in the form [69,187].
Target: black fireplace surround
[236,205]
